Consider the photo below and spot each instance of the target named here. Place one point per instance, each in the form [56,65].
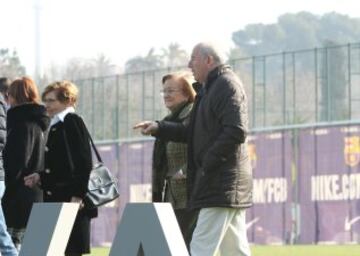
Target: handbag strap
[92,145]
[68,151]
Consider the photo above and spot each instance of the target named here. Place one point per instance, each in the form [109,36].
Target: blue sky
[125,28]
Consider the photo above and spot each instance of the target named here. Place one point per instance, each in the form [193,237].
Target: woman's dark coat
[23,155]
[67,168]
[169,156]
[176,153]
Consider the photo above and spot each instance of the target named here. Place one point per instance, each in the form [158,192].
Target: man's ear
[209,60]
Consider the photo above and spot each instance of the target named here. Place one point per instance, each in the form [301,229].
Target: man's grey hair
[210,49]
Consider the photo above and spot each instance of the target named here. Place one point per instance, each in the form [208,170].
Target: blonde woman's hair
[66,92]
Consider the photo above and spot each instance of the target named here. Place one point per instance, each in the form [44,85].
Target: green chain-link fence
[284,89]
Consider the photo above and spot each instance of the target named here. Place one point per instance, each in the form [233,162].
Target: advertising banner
[269,220]
[329,184]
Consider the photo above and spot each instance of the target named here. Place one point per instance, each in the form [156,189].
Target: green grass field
[296,250]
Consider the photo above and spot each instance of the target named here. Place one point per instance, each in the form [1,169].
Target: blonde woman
[67,161]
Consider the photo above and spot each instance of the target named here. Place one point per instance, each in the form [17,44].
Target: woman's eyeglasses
[168,91]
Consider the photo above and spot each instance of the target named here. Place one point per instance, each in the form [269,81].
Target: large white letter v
[48,229]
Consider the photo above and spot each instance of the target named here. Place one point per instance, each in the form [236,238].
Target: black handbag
[102,186]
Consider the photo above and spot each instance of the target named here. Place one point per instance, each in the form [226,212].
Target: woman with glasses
[27,123]
[170,158]
[67,162]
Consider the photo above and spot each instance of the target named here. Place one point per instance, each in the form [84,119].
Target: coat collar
[215,73]
[180,112]
[61,116]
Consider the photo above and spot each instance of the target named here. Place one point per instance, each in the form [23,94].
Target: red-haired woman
[27,123]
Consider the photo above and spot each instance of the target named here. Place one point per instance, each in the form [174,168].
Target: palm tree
[175,56]
[149,62]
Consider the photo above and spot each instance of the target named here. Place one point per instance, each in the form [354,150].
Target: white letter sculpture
[150,228]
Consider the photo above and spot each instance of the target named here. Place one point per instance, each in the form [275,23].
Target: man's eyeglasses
[168,91]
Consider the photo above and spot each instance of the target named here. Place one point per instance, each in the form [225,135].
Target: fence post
[284,87]
[316,85]
[264,92]
[117,108]
[93,108]
[127,107]
[349,82]
[253,94]
[294,87]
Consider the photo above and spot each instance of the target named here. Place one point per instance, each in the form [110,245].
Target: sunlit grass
[296,250]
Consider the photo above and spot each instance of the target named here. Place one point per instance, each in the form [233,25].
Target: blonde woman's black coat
[66,174]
